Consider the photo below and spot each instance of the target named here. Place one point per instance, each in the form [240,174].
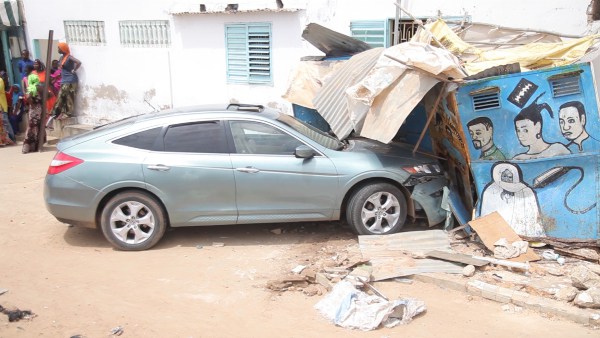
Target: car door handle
[159,167]
[249,170]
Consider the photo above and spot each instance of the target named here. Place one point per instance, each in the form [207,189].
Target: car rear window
[142,140]
[199,137]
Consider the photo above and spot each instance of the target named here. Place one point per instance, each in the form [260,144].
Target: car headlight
[424,169]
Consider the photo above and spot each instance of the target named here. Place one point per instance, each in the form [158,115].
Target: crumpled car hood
[399,153]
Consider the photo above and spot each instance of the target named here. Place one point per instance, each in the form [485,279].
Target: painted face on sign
[528,132]
[480,135]
[571,124]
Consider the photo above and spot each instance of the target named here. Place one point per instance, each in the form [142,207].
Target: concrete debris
[566,294]
[554,271]
[324,281]
[583,278]
[298,269]
[276,231]
[218,244]
[589,298]
[511,308]
[469,271]
[595,268]
[361,273]
[3,291]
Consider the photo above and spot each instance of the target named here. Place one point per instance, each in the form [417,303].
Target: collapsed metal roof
[331,101]
[332,43]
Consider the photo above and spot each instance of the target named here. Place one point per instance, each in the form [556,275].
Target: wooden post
[430,117]
[42,124]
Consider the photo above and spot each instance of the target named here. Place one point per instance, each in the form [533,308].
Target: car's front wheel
[376,209]
[133,221]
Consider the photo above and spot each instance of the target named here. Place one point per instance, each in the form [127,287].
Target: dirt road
[77,284]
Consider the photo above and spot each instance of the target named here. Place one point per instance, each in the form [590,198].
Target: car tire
[376,209]
[133,221]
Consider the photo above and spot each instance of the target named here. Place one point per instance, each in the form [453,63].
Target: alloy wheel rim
[380,212]
[132,222]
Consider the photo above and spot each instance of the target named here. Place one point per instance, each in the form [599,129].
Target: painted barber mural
[535,155]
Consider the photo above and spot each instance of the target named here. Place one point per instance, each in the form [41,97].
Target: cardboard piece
[490,228]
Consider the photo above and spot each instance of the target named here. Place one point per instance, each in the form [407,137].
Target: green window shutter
[248,52]
[375,33]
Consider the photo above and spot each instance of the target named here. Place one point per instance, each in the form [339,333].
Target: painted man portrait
[481,130]
[572,120]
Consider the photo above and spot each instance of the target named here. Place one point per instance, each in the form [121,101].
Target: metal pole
[42,124]
[397,23]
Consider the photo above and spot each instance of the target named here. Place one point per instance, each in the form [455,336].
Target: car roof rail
[246,107]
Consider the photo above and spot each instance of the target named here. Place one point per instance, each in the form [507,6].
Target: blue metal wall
[527,156]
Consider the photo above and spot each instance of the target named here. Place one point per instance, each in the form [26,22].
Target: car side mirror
[304,151]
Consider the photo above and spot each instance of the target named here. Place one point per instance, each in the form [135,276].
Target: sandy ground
[77,284]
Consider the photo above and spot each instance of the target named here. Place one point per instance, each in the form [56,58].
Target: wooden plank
[456,257]
[490,228]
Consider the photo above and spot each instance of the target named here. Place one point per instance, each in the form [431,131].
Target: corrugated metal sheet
[390,255]
[331,102]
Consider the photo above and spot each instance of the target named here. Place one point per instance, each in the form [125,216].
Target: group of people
[27,95]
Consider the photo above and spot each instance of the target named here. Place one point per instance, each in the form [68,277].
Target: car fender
[374,174]
[122,185]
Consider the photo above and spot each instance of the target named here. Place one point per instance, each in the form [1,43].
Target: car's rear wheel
[376,209]
[133,221]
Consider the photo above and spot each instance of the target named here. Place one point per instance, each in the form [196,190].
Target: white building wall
[117,81]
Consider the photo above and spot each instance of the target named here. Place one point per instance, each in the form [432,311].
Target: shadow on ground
[234,235]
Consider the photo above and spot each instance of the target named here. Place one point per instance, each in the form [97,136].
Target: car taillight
[62,162]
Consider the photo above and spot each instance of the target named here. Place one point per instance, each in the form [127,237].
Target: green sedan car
[233,164]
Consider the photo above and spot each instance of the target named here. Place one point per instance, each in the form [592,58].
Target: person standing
[25,60]
[34,102]
[16,107]
[55,77]
[4,106]
[65,102]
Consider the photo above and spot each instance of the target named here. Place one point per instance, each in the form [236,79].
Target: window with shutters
[375,33]
[248,48]
[145,33]
[380,33]
[85,32]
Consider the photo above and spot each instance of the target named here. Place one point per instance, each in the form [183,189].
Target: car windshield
[311,132]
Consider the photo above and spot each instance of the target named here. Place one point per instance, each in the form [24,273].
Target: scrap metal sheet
[395,85]
[532,55]
[331,102]
[391,255]
[307,80]
[331,42]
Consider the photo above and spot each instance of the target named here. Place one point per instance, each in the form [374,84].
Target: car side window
[142,140]
[197,137]
[260,138]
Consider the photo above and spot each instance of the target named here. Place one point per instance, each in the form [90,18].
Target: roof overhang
[212,7]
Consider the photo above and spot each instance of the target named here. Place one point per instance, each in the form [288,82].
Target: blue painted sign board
[532,141]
